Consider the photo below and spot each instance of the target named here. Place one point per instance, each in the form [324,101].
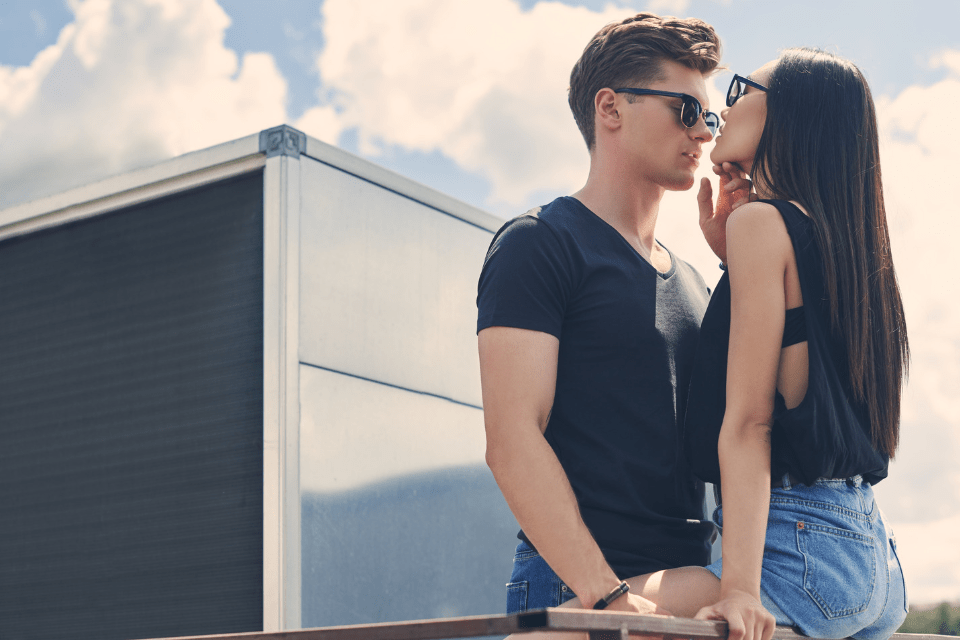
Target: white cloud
[475,80]
[669,7]
[949,59]
[39,22]
[128,83]
[322,122]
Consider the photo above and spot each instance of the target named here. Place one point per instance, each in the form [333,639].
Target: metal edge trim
[366,170]
[291,609]
[154,172]
[273,405]
[19,221]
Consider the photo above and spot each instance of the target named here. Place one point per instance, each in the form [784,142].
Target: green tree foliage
[943,619]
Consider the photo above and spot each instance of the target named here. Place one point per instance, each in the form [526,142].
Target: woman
[817,353]
[807,330]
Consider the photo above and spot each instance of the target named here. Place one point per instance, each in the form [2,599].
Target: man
[587,328]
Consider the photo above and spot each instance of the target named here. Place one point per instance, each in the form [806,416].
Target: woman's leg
[682,592]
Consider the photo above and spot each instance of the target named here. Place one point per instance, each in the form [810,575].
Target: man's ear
[605,105]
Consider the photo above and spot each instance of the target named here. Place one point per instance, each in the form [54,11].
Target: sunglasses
[690,111]
[738,86]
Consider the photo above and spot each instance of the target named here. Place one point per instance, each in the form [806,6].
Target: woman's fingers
[746,620]
[709,612]
[733,170]
[732,180]
[735,184]
[736,629]
[769,626]
[705,200]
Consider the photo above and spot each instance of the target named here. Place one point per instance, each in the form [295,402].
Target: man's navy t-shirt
[627,338]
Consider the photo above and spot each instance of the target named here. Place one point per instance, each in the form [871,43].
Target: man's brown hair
[629,53]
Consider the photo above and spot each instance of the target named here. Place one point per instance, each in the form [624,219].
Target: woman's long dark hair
[820,148]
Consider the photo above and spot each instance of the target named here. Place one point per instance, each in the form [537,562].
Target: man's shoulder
[558,213]
[563,220]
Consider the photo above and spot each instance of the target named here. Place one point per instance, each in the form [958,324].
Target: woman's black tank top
[827,434]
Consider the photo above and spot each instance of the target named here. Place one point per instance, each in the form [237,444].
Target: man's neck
[625,204]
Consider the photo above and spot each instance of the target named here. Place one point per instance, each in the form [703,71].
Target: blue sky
[468,97]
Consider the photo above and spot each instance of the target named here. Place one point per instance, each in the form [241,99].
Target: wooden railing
[601,625]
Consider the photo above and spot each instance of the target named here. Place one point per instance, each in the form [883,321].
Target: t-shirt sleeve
[526,278]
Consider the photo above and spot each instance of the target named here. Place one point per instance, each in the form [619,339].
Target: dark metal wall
[131,421]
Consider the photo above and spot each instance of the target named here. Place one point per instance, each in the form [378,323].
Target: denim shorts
[830,566]
[533,584]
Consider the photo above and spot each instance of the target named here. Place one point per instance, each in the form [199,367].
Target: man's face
[658,148]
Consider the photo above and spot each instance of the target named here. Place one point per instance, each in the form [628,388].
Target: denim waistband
[787,482]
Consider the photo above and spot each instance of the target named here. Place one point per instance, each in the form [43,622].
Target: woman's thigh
[682,592]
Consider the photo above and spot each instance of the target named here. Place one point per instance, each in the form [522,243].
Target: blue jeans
[830,563]
[533,584]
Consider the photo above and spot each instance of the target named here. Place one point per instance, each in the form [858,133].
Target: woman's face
[739,135]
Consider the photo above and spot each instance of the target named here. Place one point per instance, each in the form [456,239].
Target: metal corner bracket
[283,141]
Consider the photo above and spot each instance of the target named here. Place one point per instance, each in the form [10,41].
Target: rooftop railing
[600,625]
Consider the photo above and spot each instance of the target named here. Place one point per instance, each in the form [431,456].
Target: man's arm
[518,373]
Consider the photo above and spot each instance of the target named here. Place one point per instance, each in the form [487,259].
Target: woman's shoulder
[758,222]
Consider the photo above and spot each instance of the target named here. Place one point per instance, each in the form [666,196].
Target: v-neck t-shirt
[627,336]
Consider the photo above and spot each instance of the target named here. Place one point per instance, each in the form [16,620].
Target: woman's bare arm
[758,252]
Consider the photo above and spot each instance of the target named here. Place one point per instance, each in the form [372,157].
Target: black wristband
[605,601]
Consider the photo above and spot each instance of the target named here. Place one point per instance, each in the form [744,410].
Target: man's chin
[680,183]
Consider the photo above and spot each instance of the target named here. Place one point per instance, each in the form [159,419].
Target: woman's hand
[734,192]
[746,618]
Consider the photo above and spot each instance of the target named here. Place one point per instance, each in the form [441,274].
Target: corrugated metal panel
[131,417]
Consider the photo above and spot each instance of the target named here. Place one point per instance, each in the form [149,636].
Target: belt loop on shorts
[786,482]
[855,481]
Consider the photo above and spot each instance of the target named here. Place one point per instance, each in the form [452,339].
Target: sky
[469,97]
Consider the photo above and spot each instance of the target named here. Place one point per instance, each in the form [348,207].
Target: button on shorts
[830,565]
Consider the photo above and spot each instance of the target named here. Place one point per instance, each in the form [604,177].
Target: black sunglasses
[738,86]
[689,112]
